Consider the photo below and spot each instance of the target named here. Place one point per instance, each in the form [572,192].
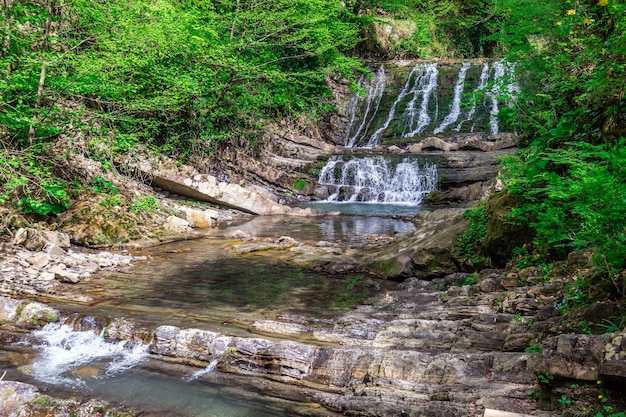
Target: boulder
[36,240]
[201,219]
[573,356]
[15,398]
[175,224]
[35,315]
[428,252]
[39,260]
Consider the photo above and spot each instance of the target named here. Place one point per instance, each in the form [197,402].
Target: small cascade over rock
[376,180]
[64,351]
[429,99]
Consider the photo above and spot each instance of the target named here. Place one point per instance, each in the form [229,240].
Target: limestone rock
[8,308]
[15,398]
[573,356]
[426,253]
[67,276]
[177,225]
[39,260]
[35,315]
[201,219]
[34,239]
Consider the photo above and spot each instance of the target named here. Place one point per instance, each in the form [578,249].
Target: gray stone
[15,398]
[67,277]
[177,225]
[33,239]
[39,260]
[53,249]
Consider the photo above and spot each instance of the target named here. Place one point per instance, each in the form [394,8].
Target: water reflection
[349,229]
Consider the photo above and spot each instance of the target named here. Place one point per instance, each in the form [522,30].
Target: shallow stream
[200,284]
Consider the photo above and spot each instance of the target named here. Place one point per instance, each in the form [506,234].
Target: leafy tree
[569,176]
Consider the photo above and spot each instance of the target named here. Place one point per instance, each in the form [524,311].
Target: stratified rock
[573,356]
[428,252]
[614,363]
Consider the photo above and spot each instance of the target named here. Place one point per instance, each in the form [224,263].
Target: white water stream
[64,351]
[375,180]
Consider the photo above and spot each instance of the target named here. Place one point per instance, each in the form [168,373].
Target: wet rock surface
[455,344]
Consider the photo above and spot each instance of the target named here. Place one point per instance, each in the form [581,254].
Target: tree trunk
[42,74]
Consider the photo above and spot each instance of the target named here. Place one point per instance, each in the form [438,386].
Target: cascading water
[414,109]
[63,351]
[455,107]
[373,98]
[413,112]
[417,118]
[375,180]
[482,83]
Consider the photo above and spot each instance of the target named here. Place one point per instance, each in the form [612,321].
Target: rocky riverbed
[461,344]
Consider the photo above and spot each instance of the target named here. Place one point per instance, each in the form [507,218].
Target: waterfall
[374,180]
[455,107]
[204,371]
[425,86]
[494,93]
[373,99]
[64,350]
[425,82]
[413,110]
[482,83]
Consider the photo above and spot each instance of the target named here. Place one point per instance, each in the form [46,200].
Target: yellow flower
[600,396]
[587,21]
[572,12]
[599,382]
[603,3]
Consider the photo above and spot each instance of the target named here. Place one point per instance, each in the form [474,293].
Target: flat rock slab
[499,413]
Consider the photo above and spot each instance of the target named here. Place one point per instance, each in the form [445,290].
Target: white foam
[64,350]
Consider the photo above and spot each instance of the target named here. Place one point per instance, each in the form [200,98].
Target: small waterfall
[455,107]
[375,138]
[64,351]
[482,83]
[373,99]
[205,371]
[494,93]
[425,86]
[374,180]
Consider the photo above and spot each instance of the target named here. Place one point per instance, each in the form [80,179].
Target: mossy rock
[502,236]
[92,222]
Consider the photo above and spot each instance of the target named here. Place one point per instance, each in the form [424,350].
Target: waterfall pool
[195,284]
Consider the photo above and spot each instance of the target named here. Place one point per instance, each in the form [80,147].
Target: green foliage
[534,348]
[569,176]
[545,379]
[474,235]
[574,198]
[100,185]
[28,181]
[147,204]
[300,184]
[613,324]
[471,280]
